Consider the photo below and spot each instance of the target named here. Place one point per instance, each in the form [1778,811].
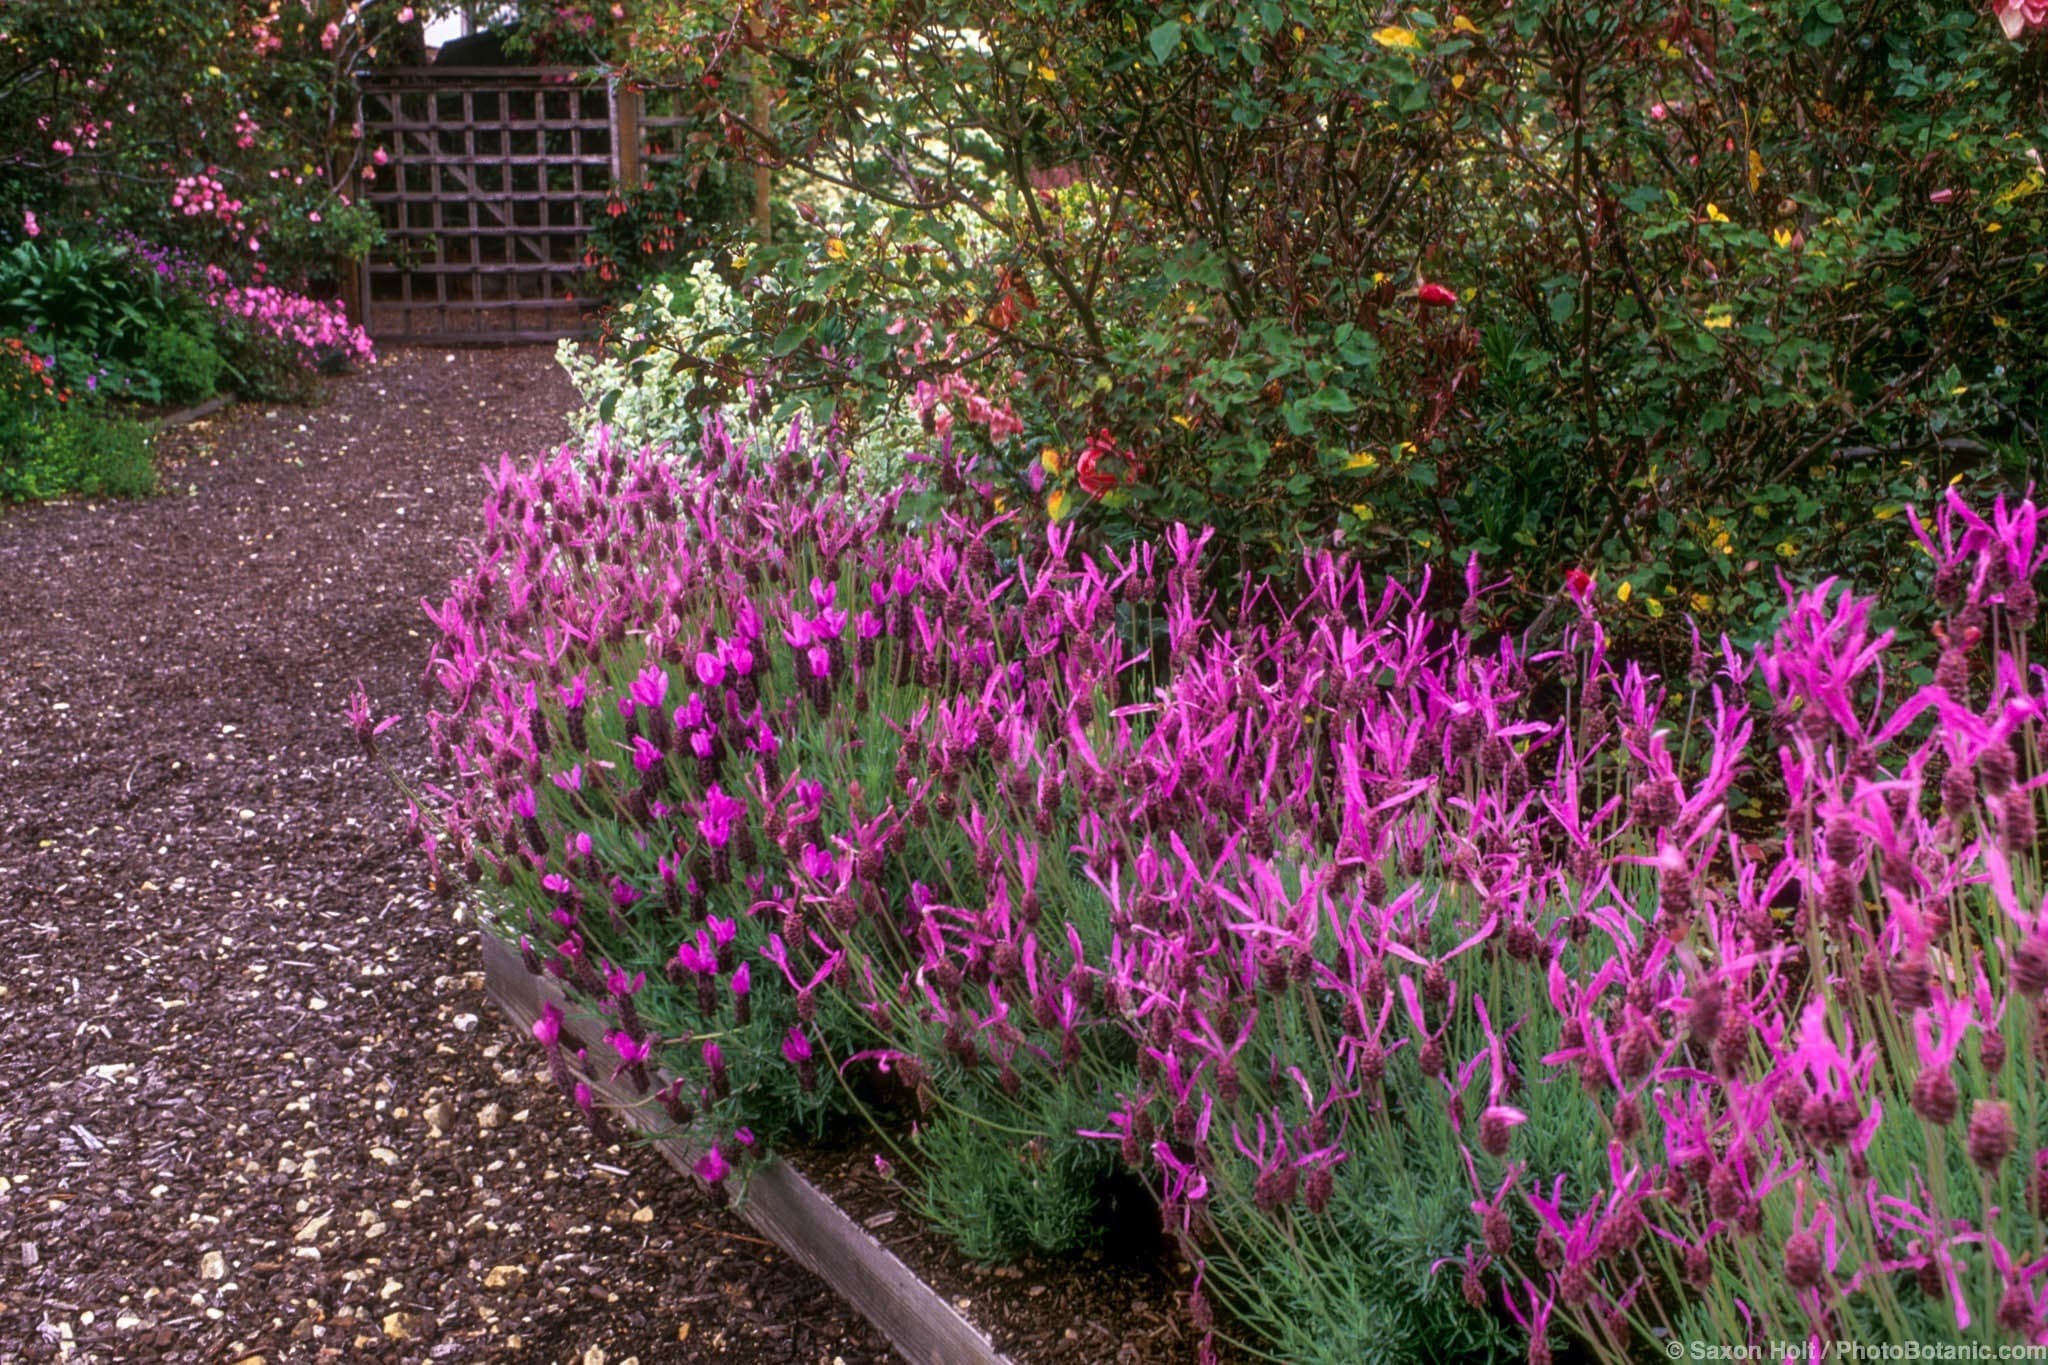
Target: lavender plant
[1420,973]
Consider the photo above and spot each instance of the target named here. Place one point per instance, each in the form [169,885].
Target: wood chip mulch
[253,1103]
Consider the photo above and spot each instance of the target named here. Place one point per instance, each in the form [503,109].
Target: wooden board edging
[779,1202]
[184,416]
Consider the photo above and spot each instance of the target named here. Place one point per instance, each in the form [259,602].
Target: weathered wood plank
[779,1202]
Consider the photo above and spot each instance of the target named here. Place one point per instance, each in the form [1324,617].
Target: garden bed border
[778,1201]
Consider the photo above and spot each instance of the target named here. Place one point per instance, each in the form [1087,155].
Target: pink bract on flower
[1716,993]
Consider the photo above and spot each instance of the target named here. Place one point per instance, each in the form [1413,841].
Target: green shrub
[185,363]
[262,366]
[997,1196]
[1681,296]
[75,450]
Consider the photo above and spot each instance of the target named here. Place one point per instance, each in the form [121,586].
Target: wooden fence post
[626,136]
[757,80]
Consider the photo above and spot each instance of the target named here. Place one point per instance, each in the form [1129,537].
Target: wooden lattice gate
[487,195]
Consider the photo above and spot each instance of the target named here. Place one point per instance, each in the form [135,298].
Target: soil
[1125,1304]
[253,1102]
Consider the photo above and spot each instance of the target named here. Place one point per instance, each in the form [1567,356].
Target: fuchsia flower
[650,687]
[548,1028]
[360,720]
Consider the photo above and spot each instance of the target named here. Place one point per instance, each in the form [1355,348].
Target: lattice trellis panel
[486,199]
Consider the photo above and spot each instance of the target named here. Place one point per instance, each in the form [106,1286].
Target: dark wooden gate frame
[492,177]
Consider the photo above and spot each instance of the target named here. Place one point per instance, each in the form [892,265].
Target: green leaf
[1164,39]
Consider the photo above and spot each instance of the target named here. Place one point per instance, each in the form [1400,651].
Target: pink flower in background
[2016,16]
[30,225]
[311,326]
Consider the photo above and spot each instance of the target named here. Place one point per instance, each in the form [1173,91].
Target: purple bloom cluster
[1293,884]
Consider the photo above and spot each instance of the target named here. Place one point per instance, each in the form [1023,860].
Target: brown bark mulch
[252,1099]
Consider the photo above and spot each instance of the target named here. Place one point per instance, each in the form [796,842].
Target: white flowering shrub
[815,333]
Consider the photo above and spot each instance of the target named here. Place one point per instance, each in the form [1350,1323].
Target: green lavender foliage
[998,1194]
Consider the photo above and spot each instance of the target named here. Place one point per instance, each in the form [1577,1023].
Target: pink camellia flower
[30,225]
[380,156]
[2017,16]
[405,16]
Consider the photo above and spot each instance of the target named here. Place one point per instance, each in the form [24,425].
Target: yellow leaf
[835,248]
[1463,25]
[1055,503]
[1362,510]
[1625,591]
[1756,169]
[1782,236]
[1718,320]
[1702,602]
[1714,214]
[1180,419]
[1050,459]
[1655,608]
[1885,511]
[1363,459]
[1458,81]
[1046,73]
[1394,35]
[1786,550]
[1994,227]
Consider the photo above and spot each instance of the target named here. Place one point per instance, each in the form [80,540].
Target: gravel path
[252,1101]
